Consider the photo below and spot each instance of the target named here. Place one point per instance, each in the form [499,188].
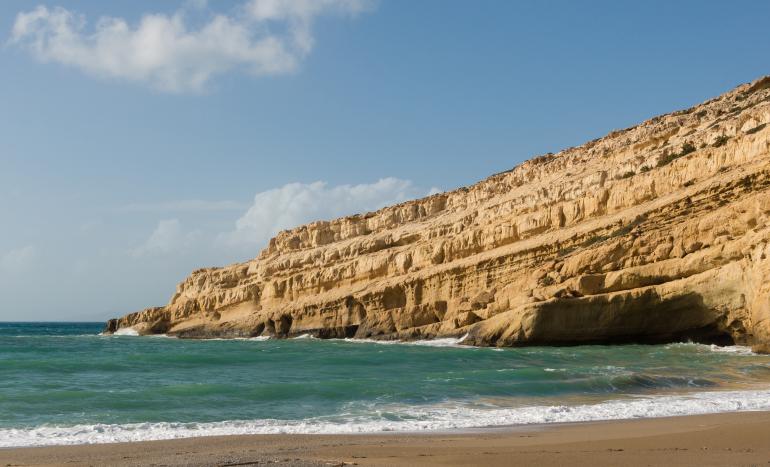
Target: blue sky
[120,172]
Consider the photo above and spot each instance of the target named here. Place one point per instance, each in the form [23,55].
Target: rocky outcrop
[655,233]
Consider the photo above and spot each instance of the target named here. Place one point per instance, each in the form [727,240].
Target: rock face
[655,233]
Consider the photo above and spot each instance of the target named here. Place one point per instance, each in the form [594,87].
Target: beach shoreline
[736,438]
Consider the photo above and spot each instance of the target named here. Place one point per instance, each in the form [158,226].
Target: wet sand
[721,439]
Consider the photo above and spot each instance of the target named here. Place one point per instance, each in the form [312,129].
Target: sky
[140,140]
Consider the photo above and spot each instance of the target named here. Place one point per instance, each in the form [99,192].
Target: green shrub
[547,280]
[687,148]
[667,158]
[721,141]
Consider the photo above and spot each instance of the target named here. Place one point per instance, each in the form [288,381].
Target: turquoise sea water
[65,384]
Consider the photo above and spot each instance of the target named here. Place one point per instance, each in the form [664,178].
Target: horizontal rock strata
[655,233]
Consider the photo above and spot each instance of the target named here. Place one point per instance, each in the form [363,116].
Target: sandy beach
[720,439]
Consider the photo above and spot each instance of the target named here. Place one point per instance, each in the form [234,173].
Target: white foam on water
[402,418]
[731,349]
[255,338]
[126,332]
[442,342]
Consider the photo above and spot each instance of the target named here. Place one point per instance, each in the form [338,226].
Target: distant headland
[655,233]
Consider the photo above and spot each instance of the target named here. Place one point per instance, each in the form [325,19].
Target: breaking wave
[440,417]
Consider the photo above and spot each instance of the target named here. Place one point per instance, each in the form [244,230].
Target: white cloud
[17,259]
[263,37]
[167,237]
[298,203]
[299,15]
[191,205]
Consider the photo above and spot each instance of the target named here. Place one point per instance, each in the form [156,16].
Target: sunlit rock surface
[656,233]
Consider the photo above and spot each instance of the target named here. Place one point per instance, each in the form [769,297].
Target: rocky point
[655,233]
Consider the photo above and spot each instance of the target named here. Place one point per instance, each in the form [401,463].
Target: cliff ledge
[655,233]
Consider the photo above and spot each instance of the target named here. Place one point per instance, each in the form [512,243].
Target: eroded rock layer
[656,233]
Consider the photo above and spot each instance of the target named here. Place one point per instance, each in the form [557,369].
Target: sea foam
[401,419]
[730,349]
[441,342]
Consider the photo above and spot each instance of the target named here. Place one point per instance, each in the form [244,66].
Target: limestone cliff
[655,233]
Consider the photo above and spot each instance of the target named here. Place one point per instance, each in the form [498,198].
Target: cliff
[655,233]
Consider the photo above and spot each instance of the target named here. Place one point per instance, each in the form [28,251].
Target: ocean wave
[55,336]
[400,419]
[126,332]
[730,349]
[230,339]
[733,349]
[442,342]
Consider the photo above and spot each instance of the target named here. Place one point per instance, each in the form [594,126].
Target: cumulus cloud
[17,259]
[270,212]
[299,15]
[167,237]
[298,203]
[262,37]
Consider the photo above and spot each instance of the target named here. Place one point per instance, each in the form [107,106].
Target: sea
[65,383]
